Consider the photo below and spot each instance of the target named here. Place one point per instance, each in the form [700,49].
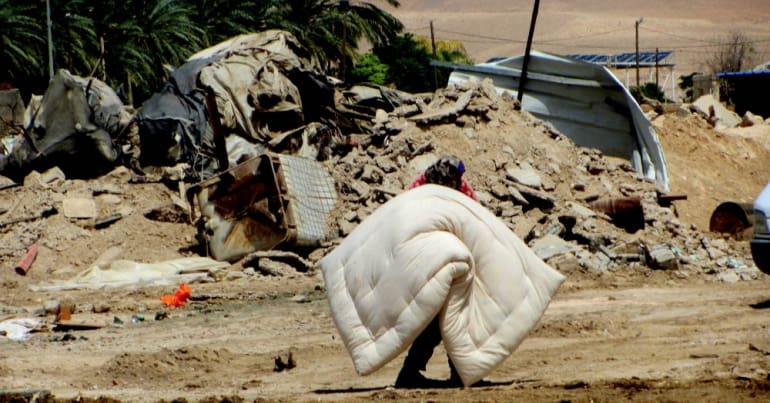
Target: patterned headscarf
[447,170]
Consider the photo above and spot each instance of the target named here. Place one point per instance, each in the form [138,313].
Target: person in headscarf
[446,171]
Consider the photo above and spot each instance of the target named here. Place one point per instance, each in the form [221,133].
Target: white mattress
[432,250]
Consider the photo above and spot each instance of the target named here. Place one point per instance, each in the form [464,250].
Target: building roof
[743,73]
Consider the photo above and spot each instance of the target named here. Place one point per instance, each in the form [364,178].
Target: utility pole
[344,5]
[433,46]
[525,64]
[638,85]
[50,38]
[656,67]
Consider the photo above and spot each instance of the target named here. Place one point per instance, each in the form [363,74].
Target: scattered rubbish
[43,214]
[68,337]
[137,318]
[68,325]
[178,298]
[161,315]
[26,261]
[263,202]
[106,221]
[20,328]
[76,122]
[625,212]
[120,273]
[284,362]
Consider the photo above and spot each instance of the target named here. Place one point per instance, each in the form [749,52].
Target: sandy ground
[631,333]
[633,336]
[693,30]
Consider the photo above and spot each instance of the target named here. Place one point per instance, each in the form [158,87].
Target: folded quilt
[434,251]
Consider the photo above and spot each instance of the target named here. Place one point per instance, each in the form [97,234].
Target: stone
[662,257]
[79,207]
[372,174]
[550,246]
[527,177]
[750,119]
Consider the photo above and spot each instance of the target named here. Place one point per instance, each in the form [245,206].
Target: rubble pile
[566,202]
[579,210]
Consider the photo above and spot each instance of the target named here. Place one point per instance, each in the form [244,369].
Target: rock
[710,108]
[527,177]
[372,174]
[79,207]
[728,277]
[750,119]
[662,257]
[268,267]
[300,299]
[550,246]
[386,164]
[101,307]
[683,111]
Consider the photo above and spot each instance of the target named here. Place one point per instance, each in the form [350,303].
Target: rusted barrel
[733,218]
[625,212]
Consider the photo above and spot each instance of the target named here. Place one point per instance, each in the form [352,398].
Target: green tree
[370,69]
[22,41]
[687,84]
[222,19]
[74,37]
[409,64]
[141,38]
[332,30]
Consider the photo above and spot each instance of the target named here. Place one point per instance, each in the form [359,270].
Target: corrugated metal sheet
[584,101]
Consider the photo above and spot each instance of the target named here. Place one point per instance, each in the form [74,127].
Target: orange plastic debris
[179,297]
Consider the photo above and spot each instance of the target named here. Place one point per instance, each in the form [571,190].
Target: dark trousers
[422,349]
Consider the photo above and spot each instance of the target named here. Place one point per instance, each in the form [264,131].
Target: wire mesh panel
[311,195]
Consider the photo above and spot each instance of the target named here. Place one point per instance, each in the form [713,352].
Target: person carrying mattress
[446,171]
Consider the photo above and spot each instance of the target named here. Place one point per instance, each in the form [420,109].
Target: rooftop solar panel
[623,59]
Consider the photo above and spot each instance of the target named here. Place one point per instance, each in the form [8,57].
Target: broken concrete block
[750,119]
[372,174]
[386,164]
[550,246]
[527,177]
[79,207]
[663,257]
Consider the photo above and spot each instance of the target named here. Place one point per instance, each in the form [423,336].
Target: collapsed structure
[255,99]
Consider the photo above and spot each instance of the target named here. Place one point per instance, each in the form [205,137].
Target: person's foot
[415,380]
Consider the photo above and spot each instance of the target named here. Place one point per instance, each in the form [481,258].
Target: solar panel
[623,59]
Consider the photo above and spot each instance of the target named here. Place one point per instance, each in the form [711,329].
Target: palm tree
[141,37]
[74,37]
[22,40]
[221,19]
[333,29]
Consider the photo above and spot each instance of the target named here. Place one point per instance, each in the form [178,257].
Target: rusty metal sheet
[263,202]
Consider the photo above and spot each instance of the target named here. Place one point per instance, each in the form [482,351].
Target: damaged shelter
[584,101]
[77,120]
[271,154]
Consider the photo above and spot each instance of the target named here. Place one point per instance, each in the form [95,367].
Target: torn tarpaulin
[255,87]
[76,122]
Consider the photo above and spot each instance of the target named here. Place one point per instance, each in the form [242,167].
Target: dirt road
[639,335]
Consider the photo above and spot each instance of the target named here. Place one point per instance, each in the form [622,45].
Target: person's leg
[418,356]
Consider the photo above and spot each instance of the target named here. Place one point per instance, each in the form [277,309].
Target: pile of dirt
[546,189]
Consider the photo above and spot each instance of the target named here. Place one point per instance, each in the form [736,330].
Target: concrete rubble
[548,190]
